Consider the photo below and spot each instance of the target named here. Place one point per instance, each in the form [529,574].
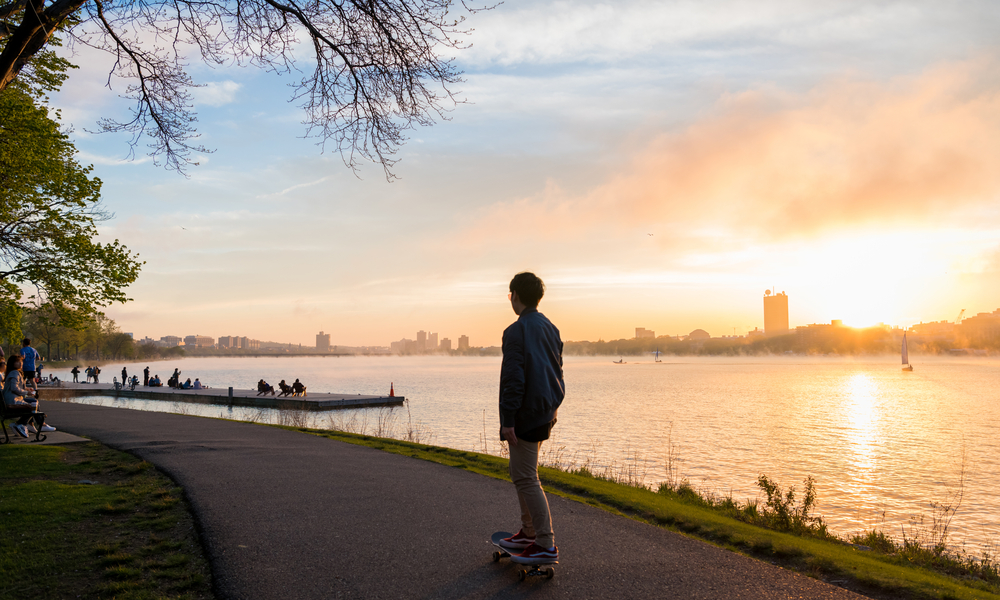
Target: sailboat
[906,356]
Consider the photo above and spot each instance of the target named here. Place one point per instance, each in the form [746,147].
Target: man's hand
[508,434]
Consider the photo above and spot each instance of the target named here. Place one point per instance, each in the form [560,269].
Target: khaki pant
[535,519]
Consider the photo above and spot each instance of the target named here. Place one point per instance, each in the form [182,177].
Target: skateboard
[537,570]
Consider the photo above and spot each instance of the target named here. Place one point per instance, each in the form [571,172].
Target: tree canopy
[376,67]
[49,208]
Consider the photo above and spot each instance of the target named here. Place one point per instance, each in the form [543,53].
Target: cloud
[111,161]
[216,93]
[766,165]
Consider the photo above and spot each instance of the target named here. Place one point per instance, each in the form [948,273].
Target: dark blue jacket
[531,377]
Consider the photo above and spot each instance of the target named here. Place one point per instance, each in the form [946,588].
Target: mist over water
[882,444]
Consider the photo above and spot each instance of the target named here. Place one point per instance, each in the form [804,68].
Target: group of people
[296,389]
[20,392]
[93,374]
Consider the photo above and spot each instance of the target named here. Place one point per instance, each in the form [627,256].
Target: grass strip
[865,572]
[86,521]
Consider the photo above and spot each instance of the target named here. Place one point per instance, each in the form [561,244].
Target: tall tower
[322,342]
[775,313]
[421,341]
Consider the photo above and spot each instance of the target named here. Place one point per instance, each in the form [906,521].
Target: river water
[884,446]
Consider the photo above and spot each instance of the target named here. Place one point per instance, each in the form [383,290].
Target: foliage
[375,71]
[95,337]
[49,207]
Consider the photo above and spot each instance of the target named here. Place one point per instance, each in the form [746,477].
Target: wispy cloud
[111,161]
[766,164]
[216,93]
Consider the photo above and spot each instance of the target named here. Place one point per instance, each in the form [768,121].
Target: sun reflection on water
[862,410]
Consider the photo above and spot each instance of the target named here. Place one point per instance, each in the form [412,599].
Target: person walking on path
[28,355]
[531,390]
[145,377]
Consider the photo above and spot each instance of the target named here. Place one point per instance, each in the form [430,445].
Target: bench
[10,413]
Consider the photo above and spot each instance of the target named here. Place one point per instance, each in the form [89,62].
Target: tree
[49,207]
[377,67]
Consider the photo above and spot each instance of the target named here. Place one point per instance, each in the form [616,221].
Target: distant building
[199,341]
[322,342]
[775,313]
[422,339]
[171,340]
[130,335]
[982,329]
[445,345]
[432,341]
[817,332]
[463,342]
[699,334]
[226,342]
[756,333]
[641,333]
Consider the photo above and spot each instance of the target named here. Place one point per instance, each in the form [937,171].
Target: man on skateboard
[531,390]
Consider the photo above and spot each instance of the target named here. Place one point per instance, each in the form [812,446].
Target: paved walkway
[287,515]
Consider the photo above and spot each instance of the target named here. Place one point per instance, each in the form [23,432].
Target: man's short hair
[529,288]
[26,342]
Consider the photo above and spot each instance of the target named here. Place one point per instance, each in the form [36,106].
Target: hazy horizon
[658,165]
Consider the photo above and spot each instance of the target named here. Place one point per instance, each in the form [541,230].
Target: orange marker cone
[392,392]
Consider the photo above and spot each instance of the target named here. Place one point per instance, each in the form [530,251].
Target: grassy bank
[85,521]
[869,572]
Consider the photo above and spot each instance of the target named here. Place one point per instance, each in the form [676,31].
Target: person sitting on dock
[286,390]
[298,388]
[187,384]
[155,381]
[197,384]
[175,379]
[264,388]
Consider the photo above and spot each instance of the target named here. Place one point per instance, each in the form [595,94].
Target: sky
[657,164]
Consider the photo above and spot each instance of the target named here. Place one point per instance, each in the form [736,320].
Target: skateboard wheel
[550,573]
[496,556]
[521,575]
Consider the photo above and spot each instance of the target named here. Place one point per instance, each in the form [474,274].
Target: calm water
[882,444]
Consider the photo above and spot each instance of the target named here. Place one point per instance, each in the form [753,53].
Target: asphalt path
[288,515]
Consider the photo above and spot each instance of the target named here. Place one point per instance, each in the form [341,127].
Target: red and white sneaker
[536,555]
[516,542]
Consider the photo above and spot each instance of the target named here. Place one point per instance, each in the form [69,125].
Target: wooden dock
[221,397]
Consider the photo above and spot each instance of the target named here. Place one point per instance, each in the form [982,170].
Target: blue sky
[845,153]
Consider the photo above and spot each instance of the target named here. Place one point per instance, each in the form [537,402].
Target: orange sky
[659,167]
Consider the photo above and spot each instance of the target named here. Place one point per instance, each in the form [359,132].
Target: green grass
[127,536]
[866,572]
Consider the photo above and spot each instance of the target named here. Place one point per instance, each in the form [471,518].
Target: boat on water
[620,361]
[906,356]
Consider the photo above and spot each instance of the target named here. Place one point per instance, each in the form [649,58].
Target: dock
[221,396]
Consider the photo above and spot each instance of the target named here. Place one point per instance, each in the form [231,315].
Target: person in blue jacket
[531,390]
[28,355]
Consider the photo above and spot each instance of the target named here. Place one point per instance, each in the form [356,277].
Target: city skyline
[427,341]
[654,164]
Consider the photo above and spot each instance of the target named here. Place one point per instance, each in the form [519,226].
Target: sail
[906,356]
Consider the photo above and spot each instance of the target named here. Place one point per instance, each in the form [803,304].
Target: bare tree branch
[378,68]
